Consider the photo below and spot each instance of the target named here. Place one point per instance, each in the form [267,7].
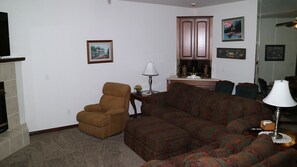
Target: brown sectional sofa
[186,124]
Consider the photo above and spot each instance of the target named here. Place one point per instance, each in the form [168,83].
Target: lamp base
[275,135]
[148,92]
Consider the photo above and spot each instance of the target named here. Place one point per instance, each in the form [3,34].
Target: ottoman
[153,138]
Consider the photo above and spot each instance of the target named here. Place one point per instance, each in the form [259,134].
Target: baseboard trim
[52,129]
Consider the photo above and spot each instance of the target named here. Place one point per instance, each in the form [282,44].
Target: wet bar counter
[207,83]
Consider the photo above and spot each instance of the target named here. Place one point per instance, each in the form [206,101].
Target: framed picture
[231,53]
[275,52]
[99,51]
[233,29]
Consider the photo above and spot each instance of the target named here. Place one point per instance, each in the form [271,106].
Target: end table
[279,147]
[140,98]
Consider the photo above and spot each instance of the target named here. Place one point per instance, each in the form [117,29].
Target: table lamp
[279,96]
[150,71]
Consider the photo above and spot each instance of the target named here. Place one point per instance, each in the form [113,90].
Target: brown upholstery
[110,115]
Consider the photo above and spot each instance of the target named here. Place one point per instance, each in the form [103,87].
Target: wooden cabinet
[194,36]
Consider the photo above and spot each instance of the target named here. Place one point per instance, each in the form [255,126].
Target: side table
[279,147]
[134,97]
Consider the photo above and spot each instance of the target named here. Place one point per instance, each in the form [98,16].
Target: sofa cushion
[208,161]
[201,129]
[221,152]
[197,101]
[148,109]
[175,94]
[169,113]
[224,108]
[241,124]
[225,145]
[211,106]
[200,152]
[234,142]
[261,148]
[181,95]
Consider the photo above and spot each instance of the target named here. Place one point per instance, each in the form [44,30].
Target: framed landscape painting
[275,52]
[99,51]
[231,53]
[233,29]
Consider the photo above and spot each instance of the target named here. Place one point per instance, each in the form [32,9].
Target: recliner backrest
[247,90]
[224,86]
[263,87]
[115,95]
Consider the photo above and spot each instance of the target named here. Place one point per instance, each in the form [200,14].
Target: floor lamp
[279,96]
[150,71]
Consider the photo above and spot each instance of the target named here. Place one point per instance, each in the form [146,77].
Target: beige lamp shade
[280,95]
[150,70]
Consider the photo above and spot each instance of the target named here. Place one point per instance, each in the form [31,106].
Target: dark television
[4,35]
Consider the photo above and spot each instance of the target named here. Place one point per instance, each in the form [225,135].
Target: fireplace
[3,113]
[14,133]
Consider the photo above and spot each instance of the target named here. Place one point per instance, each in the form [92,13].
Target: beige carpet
[70,147]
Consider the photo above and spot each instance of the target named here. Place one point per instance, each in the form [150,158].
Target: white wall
[52,34]
[271,35]
[234,69]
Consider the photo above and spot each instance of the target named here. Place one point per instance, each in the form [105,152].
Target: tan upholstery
[110,115]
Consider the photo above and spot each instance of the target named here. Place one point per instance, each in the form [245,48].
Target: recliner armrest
[93,107]
[116,111]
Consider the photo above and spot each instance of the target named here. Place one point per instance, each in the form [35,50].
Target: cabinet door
[201,43]
[186,39]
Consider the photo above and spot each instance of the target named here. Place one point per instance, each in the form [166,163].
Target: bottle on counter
[184,71]
[205,71]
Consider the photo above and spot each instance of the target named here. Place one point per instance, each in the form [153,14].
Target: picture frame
[233,29]
[100,51]
[275,52]
[231,53]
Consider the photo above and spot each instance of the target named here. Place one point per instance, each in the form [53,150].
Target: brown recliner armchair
[109,116]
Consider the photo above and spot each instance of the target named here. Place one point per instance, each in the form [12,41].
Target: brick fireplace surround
[17,135]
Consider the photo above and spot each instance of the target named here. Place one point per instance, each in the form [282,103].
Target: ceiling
[278,8]
[186,3]
[269,8]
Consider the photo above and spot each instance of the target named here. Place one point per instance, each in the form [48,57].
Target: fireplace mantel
[11,59]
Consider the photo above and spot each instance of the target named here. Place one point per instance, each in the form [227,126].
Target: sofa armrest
[260,149]
[157,98]
[282,158]
[241,124]
[153,102]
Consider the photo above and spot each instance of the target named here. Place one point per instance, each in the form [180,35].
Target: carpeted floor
[70,147]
